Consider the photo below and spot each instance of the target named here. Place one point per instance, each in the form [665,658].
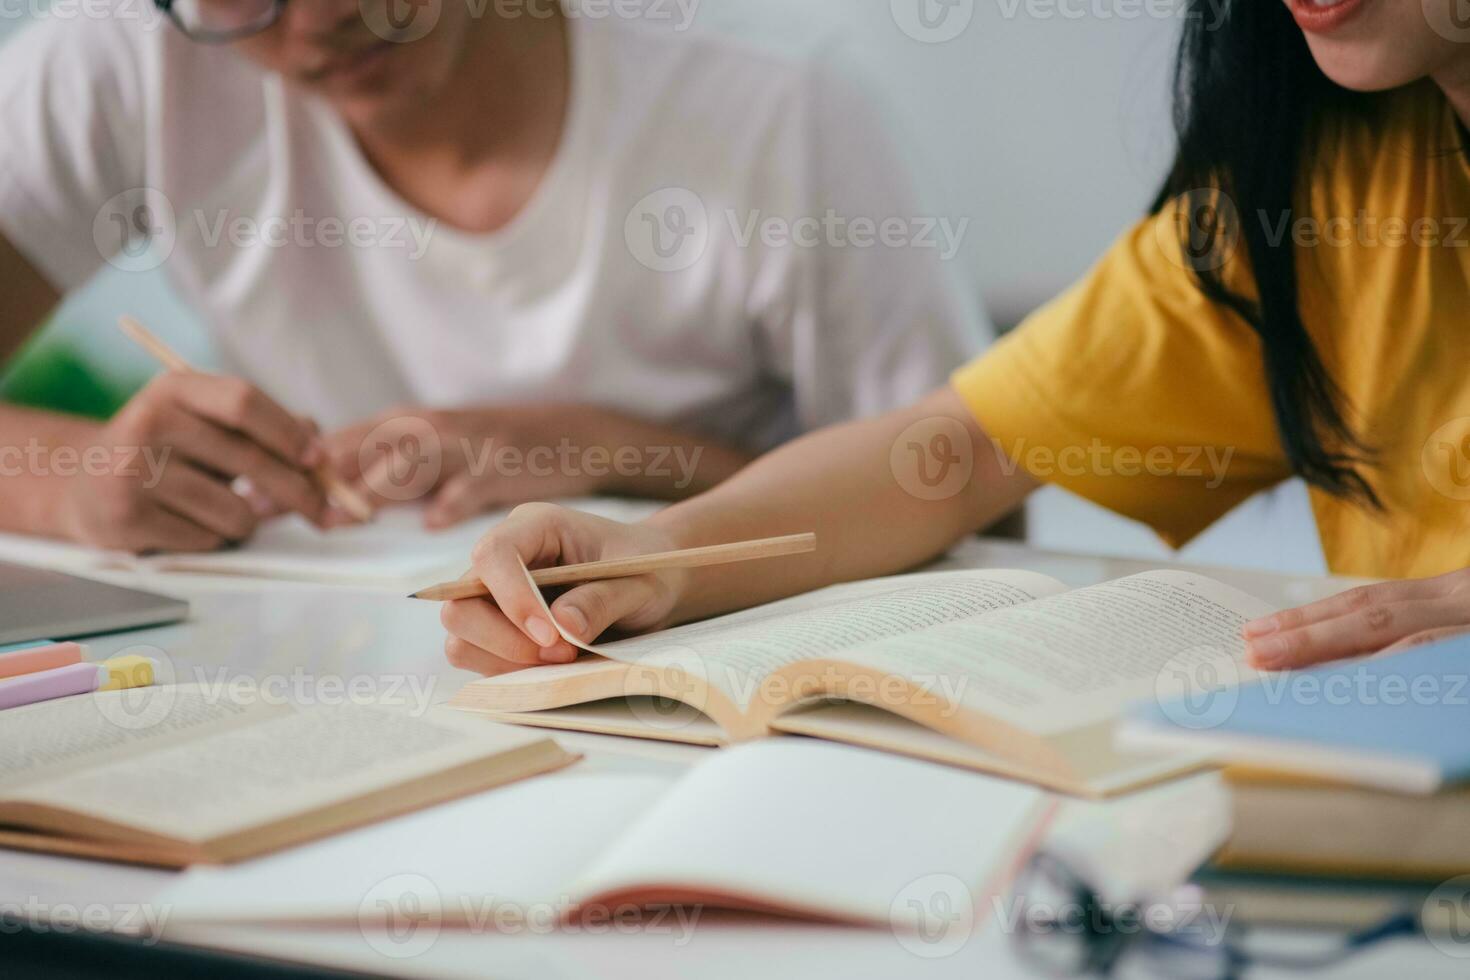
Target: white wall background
[1049,131]
[1043,121]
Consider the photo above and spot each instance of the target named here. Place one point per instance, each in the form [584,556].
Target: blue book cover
[1413,708]
[28,645]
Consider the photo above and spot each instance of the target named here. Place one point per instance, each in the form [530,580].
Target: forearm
[38,452]
[657,462]
[882,496]
[29,440]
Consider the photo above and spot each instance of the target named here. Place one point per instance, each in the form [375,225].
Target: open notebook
[792,826]
[1004,671]
[394,551]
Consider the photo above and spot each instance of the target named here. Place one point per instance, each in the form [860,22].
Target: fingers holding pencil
[468,586]
[618,577]
[509,629]
[240,432]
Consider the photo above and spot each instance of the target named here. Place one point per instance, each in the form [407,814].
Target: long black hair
[1251,109]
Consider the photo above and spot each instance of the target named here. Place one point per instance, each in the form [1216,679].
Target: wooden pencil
[332,485]
[719,554]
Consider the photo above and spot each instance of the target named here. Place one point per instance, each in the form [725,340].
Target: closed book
[1290,825]
[1399,723]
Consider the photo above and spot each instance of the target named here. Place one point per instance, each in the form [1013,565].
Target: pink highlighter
[46,657]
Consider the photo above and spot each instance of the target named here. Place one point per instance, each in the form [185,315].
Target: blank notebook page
[812,826]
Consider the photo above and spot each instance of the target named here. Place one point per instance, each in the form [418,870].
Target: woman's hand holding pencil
[512,633]
[609,569]
[627,577]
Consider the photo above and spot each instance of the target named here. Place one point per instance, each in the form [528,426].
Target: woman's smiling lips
[1321,16]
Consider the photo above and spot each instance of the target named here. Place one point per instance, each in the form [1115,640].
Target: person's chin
[378,101]
[366,106]
[1363,67]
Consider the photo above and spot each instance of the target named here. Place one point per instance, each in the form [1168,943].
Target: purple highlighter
[46,685]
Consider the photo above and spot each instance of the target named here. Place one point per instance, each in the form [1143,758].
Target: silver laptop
[42,605]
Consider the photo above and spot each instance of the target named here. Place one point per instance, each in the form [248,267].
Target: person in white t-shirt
[489,252]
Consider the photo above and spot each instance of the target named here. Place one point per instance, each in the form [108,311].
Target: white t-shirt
[740,322]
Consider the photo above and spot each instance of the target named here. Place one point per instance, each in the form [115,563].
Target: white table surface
[321,638]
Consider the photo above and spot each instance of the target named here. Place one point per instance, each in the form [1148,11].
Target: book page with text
[299,760]
[51,739]
[735,653]
[1078,658]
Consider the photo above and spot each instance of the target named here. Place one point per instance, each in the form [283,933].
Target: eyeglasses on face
[221,21]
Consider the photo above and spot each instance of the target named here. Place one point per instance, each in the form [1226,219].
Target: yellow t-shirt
[1135,391]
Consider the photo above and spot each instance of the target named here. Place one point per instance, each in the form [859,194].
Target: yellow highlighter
[128,672]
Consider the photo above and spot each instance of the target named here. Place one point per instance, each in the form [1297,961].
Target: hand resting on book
[1386,618]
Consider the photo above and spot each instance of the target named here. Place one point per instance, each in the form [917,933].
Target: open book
[394,551]
[174,776]
[1005,671]
[788,825]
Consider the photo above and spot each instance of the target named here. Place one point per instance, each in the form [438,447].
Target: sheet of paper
[634,717]
[1147,844]
[1099,771]
[810,825]
[27,549]
[734,653]
[394,550]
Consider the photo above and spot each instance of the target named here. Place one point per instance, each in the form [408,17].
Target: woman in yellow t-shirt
[1296,304]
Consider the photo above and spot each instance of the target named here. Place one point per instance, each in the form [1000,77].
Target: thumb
[588,611]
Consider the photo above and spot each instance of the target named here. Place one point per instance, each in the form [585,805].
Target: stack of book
[1321,852]
[1349,785]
